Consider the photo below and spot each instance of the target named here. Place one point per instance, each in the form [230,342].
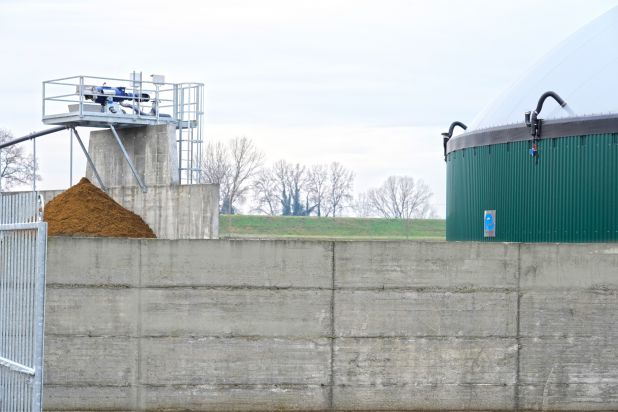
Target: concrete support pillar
[151,148]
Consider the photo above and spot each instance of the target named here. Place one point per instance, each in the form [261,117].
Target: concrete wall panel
[93,261]
[92,311]
[237,361]
[411,313]
[569,266]
[96,361]
[568,360]
[550,396]
[73,398]
[237,397]
[569,313]
[236,312]
[425,265]
[281,264]
[424,397]
[423,361]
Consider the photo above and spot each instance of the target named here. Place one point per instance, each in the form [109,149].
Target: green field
[243,226]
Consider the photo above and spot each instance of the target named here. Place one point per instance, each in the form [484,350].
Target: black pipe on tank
[31,136]
[447,135]
[544,96]
[453,125]
[532,118]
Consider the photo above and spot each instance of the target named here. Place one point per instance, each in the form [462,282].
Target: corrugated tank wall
[568,193]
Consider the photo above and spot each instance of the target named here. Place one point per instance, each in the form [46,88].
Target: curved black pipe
[544,96]
[453,125]
[531,118]
[447,135]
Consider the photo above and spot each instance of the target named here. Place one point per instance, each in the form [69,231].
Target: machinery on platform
[109,98]
[87,101]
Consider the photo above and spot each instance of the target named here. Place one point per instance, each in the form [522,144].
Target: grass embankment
[241,226]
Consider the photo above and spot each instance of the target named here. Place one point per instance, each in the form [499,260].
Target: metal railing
[23,245]
[79,93]
[91,101]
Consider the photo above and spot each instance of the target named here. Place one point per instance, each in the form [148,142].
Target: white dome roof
[583,70]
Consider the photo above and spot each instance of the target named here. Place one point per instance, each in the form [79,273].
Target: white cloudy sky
[369,83]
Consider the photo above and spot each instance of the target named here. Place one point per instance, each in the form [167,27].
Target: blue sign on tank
[489,222]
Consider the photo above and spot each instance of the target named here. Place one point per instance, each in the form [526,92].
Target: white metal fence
[23,245]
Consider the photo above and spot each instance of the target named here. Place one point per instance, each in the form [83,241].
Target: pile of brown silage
[85,210]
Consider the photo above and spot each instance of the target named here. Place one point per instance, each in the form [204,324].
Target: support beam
[126,156]
[94,169]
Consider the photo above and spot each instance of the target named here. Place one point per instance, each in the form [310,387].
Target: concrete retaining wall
[172,212]
[312,325]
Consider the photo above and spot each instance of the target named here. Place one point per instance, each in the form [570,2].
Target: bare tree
[297,180]
[401,197]
[16,167]
[282,189]
[317,188]
[266,193]
[280,174]
[232,168]
[216,166]
[340,181]
[362,206]
[246,160]
[290,185]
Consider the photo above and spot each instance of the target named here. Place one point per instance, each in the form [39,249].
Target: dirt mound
[85,210]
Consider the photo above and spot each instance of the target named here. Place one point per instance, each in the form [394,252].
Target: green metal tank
[513,176]
[503,185]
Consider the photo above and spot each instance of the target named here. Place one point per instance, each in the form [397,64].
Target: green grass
[243,226]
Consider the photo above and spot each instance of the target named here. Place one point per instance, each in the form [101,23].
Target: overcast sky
[370,84]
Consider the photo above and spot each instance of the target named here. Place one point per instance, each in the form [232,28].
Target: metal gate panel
[23,248]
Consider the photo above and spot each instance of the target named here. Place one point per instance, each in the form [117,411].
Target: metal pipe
[532,118]
[453,125]
[39,312]
[71,159]
[31,136]
[544,96]
[34,165]
[81,97]
[43,101]
[447,135]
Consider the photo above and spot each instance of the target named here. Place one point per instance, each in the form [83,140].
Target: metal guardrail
[92,102]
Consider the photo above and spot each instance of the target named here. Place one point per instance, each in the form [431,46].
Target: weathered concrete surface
[315,325]
[104,361]
[425,265]
[237,397]
[271,264]
[172,212]
[369,313]
[235,361]
[568,327]
[152,149]
[251,312]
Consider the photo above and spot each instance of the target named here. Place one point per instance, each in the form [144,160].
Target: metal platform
[103,120]
[103,102]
